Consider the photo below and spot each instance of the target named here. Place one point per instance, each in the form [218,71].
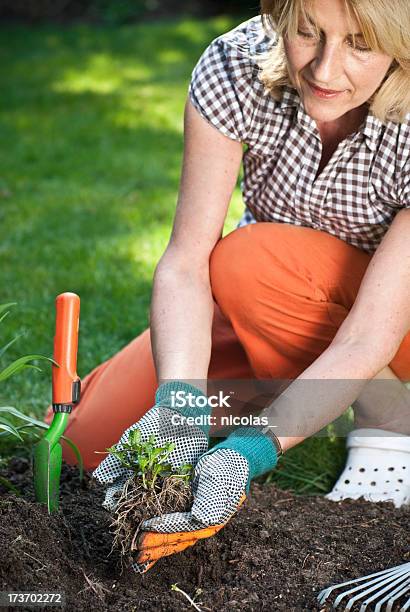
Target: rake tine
[396,585]
[397,593]
[373,585]
[389,579]
[323,595]
[406,606]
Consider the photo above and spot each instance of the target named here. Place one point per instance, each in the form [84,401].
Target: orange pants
[281,293]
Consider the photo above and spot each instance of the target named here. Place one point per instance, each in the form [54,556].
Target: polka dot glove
[220,484]
[190,441]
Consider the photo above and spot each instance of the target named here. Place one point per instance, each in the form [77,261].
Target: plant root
[95,586]
[138,503]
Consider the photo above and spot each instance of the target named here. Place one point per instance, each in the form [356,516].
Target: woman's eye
[306,34]
[311,35]
[360,49]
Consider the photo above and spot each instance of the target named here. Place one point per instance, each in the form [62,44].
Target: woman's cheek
[365,73]
[297,59]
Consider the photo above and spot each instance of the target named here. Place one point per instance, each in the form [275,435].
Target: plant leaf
[32,422]
[4,420]
[32,433]
[22,416]
[20,364]
[11,430]
[77,453]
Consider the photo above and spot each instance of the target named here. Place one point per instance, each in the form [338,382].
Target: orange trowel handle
[66,384]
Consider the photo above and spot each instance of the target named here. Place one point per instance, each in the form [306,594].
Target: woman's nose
[327,66]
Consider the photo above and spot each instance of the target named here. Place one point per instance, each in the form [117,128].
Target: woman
[317,291]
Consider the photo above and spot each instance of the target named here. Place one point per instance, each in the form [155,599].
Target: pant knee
[230,275]
[264,283]
[254,266]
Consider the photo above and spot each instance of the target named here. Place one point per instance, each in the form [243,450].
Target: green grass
[91,127]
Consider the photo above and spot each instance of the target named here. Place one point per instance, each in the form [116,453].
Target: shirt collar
[370,127]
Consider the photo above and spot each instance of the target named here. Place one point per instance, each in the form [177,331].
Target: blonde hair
[386,28]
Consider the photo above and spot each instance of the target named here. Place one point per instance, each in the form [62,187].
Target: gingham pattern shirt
[355,197]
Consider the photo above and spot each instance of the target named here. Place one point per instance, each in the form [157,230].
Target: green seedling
[148,460]
[154,488]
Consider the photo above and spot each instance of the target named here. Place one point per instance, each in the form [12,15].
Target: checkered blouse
[357,194]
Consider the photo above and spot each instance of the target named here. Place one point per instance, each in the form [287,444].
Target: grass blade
[4,307]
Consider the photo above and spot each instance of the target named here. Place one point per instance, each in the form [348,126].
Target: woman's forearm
[322,392]
[181,323]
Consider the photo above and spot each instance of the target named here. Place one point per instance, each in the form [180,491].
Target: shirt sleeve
[224,86]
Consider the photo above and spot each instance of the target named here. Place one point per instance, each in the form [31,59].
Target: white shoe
[377,468]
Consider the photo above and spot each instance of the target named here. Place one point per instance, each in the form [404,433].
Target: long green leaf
[22,416]
[77,453]
[29,426]
[4,420]
[11,430]
[20,364]
[36,423]
[22,428]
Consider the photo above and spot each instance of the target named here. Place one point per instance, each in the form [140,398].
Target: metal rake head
[389,588]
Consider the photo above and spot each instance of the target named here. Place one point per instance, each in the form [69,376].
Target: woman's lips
[323,93]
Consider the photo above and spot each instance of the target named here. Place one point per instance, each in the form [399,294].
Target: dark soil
[277,554]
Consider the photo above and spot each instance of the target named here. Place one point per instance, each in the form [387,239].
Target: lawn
[91,126]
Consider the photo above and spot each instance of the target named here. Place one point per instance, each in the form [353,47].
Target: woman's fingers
[152,545]
[150,539]
[157,552]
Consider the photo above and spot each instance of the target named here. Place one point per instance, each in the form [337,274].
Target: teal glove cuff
[166,395]
[255,446]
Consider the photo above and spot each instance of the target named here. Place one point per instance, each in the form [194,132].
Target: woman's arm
[182,305]
[380,315]
[365,343]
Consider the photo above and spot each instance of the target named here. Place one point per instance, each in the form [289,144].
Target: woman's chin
[322,111]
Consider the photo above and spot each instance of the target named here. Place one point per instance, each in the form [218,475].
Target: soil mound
[277,554]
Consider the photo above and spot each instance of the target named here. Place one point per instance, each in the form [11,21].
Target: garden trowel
[66,393]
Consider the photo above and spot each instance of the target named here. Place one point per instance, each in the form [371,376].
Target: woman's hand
[220,485]
[190,442]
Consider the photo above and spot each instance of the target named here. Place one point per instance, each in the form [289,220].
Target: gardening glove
[220,485]
[190,441]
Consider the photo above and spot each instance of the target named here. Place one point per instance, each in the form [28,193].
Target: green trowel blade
[47,471]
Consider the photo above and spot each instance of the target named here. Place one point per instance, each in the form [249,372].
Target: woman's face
[352,73]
